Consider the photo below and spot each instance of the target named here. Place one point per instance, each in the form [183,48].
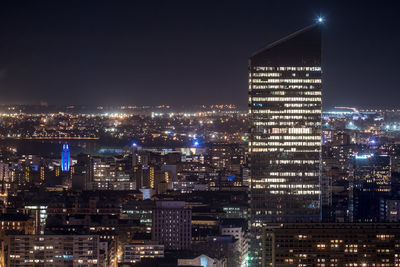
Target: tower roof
[301,48]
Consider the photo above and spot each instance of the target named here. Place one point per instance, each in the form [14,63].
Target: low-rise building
[331,244]
[54,250]
[134,251]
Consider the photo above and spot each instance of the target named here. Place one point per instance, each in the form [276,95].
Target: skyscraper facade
[285,132]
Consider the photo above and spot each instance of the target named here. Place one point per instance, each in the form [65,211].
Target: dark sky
[187,52]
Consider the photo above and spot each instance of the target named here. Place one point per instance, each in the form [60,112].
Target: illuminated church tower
[65,159]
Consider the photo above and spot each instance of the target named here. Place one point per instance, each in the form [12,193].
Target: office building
[233,228]
[227,157]
[332,244]
[39,215]
[223,247]
[369,183]
[53,250]
[4,181]
[172,225]
[83,177]
[285,132]
[134,251]
[202,260]
[16,222]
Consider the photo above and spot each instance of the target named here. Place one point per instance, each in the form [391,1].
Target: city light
[65,158]
[231,178]
[196,143]
[372,141]
[363,156]
[185,178]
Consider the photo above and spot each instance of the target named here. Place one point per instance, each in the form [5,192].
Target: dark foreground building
[331,244]
[54,250]
[172,225]
[285,132]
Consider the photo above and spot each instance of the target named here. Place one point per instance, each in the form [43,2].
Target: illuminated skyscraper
[65,159]
[285,134]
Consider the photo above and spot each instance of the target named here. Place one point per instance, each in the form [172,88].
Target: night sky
[187,52]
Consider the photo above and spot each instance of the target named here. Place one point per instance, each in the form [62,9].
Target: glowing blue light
[320,20]
[203,261]
[230,178]
[372,141]
[324,140]
[110,150]
[65,159]
[134,144]
[364,156]
[196,143]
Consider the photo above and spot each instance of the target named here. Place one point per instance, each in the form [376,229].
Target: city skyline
[125,140]
[107,49]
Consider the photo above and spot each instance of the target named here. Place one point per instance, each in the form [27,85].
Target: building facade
[53,250]
[133,252]
[203,260]
[332,244]
[172,225]
[240,235]
[285,132]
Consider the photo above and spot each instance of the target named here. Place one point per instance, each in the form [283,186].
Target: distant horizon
[171,106]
